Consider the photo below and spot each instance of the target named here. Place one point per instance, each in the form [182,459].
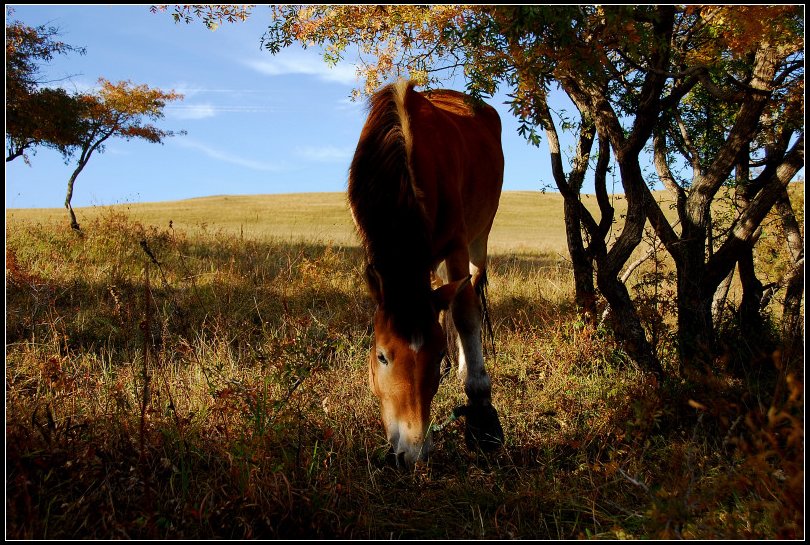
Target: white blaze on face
[416,343]
[408,438]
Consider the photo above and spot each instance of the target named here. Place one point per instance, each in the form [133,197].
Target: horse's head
[405,365]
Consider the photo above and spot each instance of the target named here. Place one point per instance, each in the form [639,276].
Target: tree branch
[750,219]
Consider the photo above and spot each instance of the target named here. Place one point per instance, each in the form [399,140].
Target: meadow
[198,369]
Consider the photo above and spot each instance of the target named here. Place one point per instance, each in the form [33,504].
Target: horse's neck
[407,278]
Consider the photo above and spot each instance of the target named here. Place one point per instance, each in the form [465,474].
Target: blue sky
[256,123]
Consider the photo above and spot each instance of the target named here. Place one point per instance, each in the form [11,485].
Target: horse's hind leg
[483,426]
[467,316]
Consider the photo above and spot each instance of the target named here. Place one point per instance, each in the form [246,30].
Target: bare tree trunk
[695,328]
[749,315]
[73,223]
[87,151]
[570,188]
[792,325]
[720,296]
[585,293]
[624,318]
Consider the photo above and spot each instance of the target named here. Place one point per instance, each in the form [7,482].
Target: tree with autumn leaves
[75,124]
[117,110]
[36,115]
[715,89]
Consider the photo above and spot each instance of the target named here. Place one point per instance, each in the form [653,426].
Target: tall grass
[173,383]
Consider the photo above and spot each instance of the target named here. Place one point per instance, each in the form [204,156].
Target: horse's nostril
[402,463]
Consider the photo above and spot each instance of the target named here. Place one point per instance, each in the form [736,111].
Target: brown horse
[424,187]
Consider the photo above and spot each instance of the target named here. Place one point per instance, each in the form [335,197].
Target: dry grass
[527,221]
[223,394]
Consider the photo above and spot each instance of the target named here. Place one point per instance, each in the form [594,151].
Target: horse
[423,189]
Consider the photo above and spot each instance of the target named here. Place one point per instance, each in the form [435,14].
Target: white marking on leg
[471,366]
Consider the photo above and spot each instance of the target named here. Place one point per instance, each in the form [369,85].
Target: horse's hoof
[483,427]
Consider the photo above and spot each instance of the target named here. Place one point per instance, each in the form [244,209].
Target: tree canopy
[36,114]
[718,88]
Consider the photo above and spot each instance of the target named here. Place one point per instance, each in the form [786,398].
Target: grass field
[220,391]
[527,220]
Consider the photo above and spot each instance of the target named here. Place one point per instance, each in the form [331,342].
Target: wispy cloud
[191,90]
[191,111]
[206,110]
[324,154]
[349,104]
[227,157]
[300,64]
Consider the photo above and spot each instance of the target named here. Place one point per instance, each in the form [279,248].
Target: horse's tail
[487,333]
[381,189]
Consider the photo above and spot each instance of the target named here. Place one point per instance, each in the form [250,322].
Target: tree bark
[719,299]
[570,188]
[87,151]
[624,318]
[585,293]
[589,97]
[749,313]
[73,223]
[700,275]
[82,163]
[749,316]
[792,325]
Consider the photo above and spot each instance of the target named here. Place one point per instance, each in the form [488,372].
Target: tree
[721,85]
[746,110]
[117,110]
[637,70]
[792,329]
[36,115]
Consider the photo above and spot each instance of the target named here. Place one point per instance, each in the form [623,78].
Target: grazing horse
[423,187]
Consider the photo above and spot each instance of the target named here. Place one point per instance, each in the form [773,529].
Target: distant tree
[119,110]
[36,115]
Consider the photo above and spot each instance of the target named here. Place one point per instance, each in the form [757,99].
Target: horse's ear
[374,283]
[444,295]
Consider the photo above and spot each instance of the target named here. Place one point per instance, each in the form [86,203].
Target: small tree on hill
[119,110]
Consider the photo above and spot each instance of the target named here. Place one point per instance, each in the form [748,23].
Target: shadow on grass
[254,419]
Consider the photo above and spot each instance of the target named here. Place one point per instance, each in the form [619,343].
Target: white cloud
[206,110]
[297,63]
[191,111]
[349,104]
[324,154]
[221,155]
[190,90]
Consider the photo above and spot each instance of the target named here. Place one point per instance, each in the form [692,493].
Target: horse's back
[457,161]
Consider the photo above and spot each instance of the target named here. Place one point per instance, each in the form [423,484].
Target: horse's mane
[385,203]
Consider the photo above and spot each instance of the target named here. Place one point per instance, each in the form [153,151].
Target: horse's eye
[381,358]
[442,354]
